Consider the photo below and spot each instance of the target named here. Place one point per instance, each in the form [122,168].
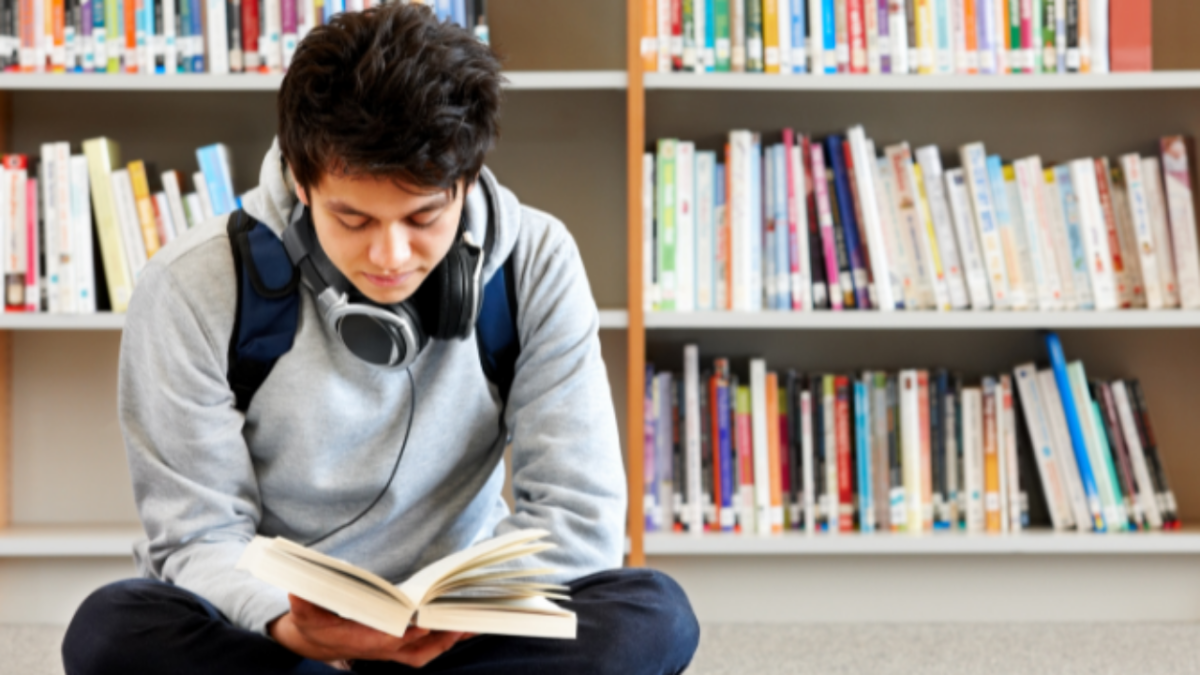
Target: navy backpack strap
[268,305]
[499,344]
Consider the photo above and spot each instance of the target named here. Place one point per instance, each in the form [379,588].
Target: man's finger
[428,648]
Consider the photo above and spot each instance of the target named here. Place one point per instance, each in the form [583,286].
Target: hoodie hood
[271,203]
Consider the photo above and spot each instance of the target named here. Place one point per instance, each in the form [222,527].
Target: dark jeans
[630,621]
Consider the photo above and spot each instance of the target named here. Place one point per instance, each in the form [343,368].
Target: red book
[132,8]
[1130,36]
[856,21]
[845,470]
[250,31]
[677,35]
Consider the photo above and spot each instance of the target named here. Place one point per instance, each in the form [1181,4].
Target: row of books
[915,451]
[892,37]
[156,37]
[55,260]
[811,224]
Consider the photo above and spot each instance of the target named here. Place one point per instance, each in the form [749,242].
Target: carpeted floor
[870,649]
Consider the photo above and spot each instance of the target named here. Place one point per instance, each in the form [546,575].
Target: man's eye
[356,225]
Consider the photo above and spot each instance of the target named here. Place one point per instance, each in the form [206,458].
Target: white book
[649,287]
[1131,250]
[892,246]
[81,222]
[1123,263]
[1000,37]
[758,422]
[272,22]
[972,411]
[17,258]
[901,256]
[1031,202]
[1113,508]
[1098,18]
[1007,414]
[663,17]
[1064,451]
[47,194]
[1095,235]
[1057,502]
[801,273]
[912,229]
[170,48]
[816,43]
[808,480]
[164,212]
[1182,211]
[974,161]
[962,64]
[131,234]
[740,223]
[943,226]
[195,210]
[1068,197]
[1016,264]
[215,25]
[871,17]
[1023,246]
[829,431]
[755,232]
[693,516]
[929,241]
[967,238]
[471,590]
[903,60]
[705,239]
[1160,229]
[885,283]
[206,206]
[910,450]
[68,253]
[784,27]
[170,181]
[1060,245]
[1137,456]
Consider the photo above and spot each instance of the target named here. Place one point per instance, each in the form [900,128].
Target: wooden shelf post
[635,130]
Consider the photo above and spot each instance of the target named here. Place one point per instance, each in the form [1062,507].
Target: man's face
[383,235]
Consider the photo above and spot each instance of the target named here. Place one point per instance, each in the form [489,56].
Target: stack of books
[157,37]
[828,224]
[912,451]
[47,231]
[896,37]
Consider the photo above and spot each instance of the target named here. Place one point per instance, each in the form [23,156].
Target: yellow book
[771,35]
[991,457]
[925,36]
[145,206]
[941,296]
[773,451]
[103,156]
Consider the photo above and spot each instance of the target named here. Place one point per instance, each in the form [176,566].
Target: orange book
[991,457]
[926,451]
[971,21]
[649,36]
[132,7]
[773,452]
[145,206]
[56,28]
[1130,36]
[1085,39]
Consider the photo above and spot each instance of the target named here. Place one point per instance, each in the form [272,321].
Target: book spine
[937,449]
[1061,517]
[1111,428]
[844,487]
[649,281]
[798,255]
[964,228]
[991,458]
[857,279]
[1075,429]
[1127,233]
[1093,232]
[687,34]
[1025,260]
[911,226]
[1102,465]
[685,226]
[68,257]
[666,234]
[871,25]
[1098,16]
[807,460]
[1177,158]
[754,37]
[1124,287]
[865,166]
[33,295]
[856,36]
[840,19]
[727,459]
[775,453]
[1060,242]
[818,275]
[1049,36]
[770,35]
[1005,230]
[799,37]
[1027,174]
[1073,227]
[693,517]
[863,457]
[1131,36]
[898,33]
[705,239]
[762,475]
[650,508]
[931,245]
[1164,252]
[910,443]
[825,215]
[1128,429]
[1009,420]
[1064,453]
[1167,497]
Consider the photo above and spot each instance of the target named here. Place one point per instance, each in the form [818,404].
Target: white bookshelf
[548,80]
[965,320]
[68,541]
[1185,79]
[1034,542]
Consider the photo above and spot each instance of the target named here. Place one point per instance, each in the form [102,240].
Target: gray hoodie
[322,435]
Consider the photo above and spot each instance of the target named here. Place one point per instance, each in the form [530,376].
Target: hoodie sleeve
[567,472]
[193,477]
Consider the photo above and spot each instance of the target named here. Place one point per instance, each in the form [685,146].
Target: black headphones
[444,307]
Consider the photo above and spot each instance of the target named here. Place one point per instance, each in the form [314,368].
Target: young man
[384,120]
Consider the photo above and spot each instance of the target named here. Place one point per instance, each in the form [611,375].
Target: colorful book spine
[863,457]
[1079,445]
[1156,202]
[1177,169]
[968,240]
[762,467]
[1008,242]
[974,161]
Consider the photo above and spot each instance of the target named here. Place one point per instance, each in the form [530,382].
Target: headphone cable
[412,412]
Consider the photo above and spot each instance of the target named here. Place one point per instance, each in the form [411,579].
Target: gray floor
[871,649]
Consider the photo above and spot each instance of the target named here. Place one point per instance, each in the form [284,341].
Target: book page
[285,546]
[418,586]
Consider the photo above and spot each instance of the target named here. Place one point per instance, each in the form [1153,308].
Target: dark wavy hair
[391,92]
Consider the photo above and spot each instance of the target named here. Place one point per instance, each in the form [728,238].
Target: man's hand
[316,633]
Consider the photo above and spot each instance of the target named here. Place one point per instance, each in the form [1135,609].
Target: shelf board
[964,320]
[1181,79]
[517,80]
[614,318]
[1043,542]
[609,319]
[59,541]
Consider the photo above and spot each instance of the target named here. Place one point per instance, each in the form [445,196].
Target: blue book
[862,443]
[444,9]
[783,277]
[145,32]
[756,217]
[708,51]
[458,12]
[197,33]
[799,58]
[725,447]
[835,152]
[649,453]
[829,34]
[220,191]
[1074,224]
[1058,363]
[99,36]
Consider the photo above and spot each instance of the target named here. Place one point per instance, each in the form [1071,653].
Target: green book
[116,41]
[754,36]
[1016,55]
[665,208]
[1049,35]
[689,34]
[722,45]
[1121,524]
[742,407]
[1100,467]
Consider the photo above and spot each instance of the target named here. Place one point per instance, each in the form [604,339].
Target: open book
[462,592]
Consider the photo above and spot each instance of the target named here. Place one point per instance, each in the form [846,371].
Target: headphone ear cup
[448,295]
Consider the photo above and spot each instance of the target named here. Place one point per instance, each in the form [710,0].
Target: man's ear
[301,193]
